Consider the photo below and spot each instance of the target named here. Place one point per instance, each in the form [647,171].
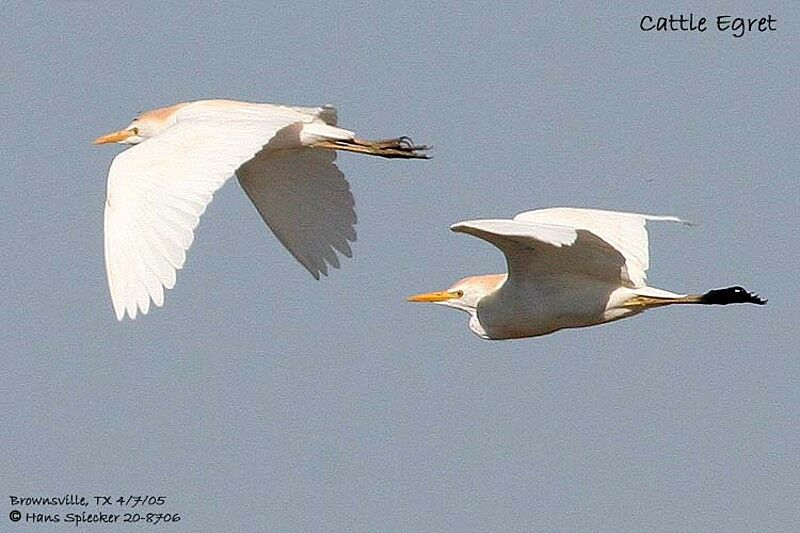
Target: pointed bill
[438,296]
[117,136]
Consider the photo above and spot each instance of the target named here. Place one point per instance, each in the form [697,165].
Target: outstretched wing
[304,198]
[157,191]
[535,250]
[601,245]
[625,232]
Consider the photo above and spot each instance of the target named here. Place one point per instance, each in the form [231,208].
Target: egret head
[143,127]
[463,294]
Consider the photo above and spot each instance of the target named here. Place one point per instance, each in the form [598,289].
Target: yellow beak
[115,137]
[439,296]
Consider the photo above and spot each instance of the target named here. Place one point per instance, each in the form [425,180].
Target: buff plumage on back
[158,189]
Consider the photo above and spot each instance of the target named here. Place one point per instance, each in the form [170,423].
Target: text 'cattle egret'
[284,159]
[567,268]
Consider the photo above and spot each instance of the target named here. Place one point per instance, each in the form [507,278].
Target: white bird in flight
[284,159]
[567,268]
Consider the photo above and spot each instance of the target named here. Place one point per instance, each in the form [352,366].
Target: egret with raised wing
[284,159]
[567,268]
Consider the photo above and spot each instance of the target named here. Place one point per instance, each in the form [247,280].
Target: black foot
[402,147]
[731,295]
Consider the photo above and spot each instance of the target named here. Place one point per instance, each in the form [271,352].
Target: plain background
[259,399]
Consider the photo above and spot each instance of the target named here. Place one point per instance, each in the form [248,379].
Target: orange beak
[115,137]
[439,296]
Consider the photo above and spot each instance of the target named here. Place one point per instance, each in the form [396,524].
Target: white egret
[567,268]
[284,159]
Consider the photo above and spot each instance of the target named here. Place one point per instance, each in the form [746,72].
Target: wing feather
[157,191]
[625,232]
[305,199]
[602,245]
[535,250]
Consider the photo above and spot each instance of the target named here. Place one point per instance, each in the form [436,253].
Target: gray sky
[261,399]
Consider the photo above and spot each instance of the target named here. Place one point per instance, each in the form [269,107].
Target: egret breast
[543,306]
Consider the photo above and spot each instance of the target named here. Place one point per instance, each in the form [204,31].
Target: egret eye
[459,293]
[135,130]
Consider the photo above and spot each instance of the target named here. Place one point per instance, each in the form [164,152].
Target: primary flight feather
[284,159]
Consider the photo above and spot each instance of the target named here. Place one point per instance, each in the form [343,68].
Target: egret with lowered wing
[567,268]
[284,159]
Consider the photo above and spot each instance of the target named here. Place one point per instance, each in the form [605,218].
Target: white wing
[158,189]
[600,245]
[534,250]
[625,232]
[305,199]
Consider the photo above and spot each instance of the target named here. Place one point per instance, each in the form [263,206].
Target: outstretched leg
[728,295]
[402,147]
